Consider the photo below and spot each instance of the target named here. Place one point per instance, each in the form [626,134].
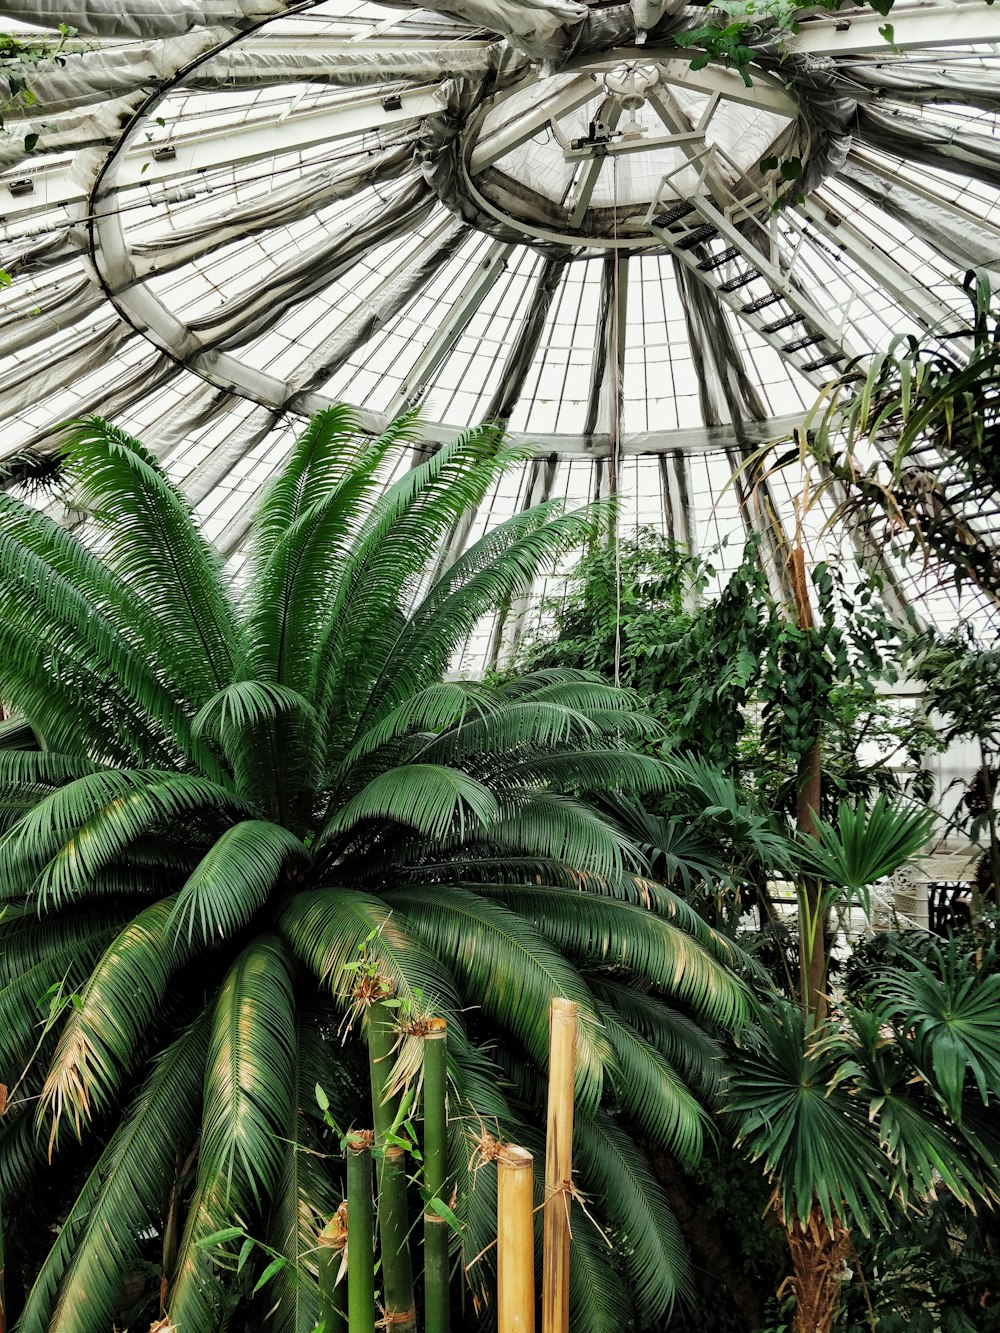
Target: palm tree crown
[236,808]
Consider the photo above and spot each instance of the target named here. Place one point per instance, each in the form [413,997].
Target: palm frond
[111,1015]
[946,1018]
[444,704]
[234,879]
[865,845]
[652,1094]
[79,1286]
[247,1108]
[547,824]
[430,798]
[80,828]
[154,545]
[348,939]
[618,934]
[488,947]
[678,1038]
[811,1134]
[502,564]
[646,1231]
[96,613]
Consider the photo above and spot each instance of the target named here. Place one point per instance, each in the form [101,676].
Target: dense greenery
[849,1122]
[230,825]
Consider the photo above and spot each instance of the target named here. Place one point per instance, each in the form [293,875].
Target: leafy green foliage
[269,811]
[932,417]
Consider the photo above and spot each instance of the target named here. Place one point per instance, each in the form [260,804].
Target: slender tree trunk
[812,926]
[330,1254]
[393,1220]
[361,1247]
[819,1253]
[436,1230]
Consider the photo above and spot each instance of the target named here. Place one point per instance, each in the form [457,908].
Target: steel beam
[913,295]
[914,27]
[520,129]
[451,326]
[194,155]
[766,93]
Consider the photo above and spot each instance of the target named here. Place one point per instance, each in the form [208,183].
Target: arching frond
[600,930]
[442,705]
[41,972]
[652,1093]
[79,828]
[79,1286]
[489,946]
[248,1104]
[111,1015]
[234,879]
[430,798]
[646,1231]
[341,933]
[685,1045]
[544,823]
[154,545]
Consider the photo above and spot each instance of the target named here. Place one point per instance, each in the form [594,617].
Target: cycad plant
[246,817]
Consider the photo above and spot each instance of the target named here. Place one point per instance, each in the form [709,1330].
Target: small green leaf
[322,1100]
[220,1237]
[275,1266]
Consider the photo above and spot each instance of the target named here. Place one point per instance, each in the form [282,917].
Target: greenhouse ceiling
[218,217]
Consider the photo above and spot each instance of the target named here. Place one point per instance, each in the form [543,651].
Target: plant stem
[330,1260]
[809,781]
[397,1273]
[361,1251]
[436,1227]
[515,1241]
[558,1167]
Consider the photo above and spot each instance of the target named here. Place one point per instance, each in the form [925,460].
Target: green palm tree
[247,815]
[890,1101]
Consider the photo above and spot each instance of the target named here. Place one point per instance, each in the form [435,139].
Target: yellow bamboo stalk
[515,1241]
[558,1167]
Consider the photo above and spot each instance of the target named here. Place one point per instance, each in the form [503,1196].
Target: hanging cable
[614,412]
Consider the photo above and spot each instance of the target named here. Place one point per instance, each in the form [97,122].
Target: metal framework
[235,217]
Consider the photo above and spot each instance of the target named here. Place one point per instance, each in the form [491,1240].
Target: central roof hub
[583,157]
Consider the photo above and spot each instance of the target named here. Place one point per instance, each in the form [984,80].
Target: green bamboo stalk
[436,1302]
[361,1251]
[393,1223]
[3,1283]
[330,1260]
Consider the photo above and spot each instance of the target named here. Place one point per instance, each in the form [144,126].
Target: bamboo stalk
[330,1256]
[558,1167]
[436,1300]
[515,1241]
[361,1251]
[393,1228]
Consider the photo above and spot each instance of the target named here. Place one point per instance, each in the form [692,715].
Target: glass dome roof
[238,211]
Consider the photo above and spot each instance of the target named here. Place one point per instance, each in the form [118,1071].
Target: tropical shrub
[230,822]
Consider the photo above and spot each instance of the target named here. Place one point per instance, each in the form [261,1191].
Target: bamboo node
[390,1318]
[567,1190]
[334,1234]
[360,1140]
